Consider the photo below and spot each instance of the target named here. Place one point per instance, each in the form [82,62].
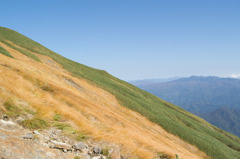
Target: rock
[28,136]
[79,146]
[8,125]
[53,137]
[99,157]
[97,150]
[36,132]
[60,145]
[5,117]
[46,139]
[3,136]
[19,119]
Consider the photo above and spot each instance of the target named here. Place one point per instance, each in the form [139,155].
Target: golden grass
[91,110]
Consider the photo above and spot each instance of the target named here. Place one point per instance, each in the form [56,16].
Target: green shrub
[81,137]
[163,156]
[105,151]
[177,157]
[57,117]
[5,52]
[12,109]
[65,127]
[35,123]
[24,52]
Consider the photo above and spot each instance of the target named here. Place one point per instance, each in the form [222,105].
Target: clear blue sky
[135,39]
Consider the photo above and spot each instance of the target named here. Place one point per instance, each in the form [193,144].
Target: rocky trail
[19,143]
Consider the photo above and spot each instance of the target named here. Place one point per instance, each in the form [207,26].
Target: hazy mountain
[225,118]
[152,81]
[198,94]
[213,98]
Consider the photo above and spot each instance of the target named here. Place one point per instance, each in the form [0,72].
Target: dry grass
[91,110]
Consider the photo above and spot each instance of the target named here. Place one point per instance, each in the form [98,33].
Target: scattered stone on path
[28,136]
[19,119]
[60,145]
[97,150]
[36,132]
[79,146]
[99,157]
[5,117]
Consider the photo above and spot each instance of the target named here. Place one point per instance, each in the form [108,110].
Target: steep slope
[93,100]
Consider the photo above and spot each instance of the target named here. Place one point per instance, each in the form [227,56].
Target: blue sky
[135,39]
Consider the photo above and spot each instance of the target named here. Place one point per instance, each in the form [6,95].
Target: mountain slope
[35,65]
[225,118]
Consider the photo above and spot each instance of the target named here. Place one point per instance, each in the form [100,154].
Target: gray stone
[3,136]
[99,157]
[60,145]
[36,132]
[5,117]
[28,136]
[19,119]
[79,146]
[97,150]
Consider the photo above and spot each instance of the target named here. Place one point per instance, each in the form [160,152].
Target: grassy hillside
[214,142]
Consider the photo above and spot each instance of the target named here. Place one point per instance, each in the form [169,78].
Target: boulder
[5,117]
[60,145]
[19,119]
[28,136]
[99,157]
[36,132]
[97,150]
[80,146]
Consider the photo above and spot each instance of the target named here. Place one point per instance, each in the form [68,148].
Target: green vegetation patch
[5,52]
[105,151]
[24,52]
[35,123]
[65,127]
[12,109]
[57,117]
[81,136]
[215,143]
[163,156]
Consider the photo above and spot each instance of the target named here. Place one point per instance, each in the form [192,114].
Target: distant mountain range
[152,81]
[225,118]
[215,99]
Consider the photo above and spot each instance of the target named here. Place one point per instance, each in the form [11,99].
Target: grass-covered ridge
[215,142]
[24,52]
[4,52]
